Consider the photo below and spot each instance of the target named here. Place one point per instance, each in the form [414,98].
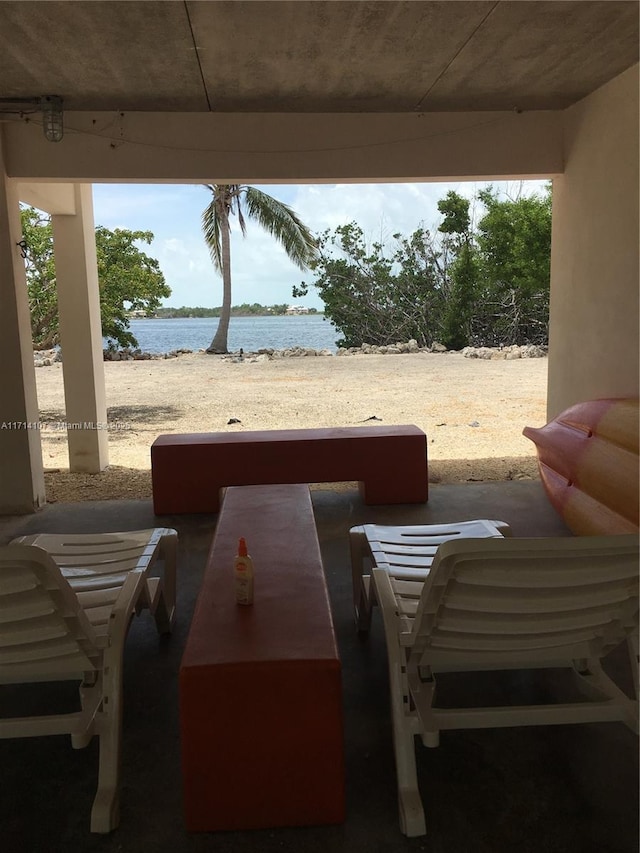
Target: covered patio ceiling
[305,57]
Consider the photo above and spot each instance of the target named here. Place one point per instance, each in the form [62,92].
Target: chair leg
[90,694]
[422,685]
[169,552]
[412,823]
[596,685]
[361,582]
[160,592]
[412,820]
[163,613]
[105,813]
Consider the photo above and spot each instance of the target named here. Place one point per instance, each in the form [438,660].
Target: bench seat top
[287,435]
[290,619]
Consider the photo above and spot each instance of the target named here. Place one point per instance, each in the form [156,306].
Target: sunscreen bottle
[243,570]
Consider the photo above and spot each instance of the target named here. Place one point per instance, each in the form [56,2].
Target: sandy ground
[473,411]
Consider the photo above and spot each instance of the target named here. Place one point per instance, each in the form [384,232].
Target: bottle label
[244,592]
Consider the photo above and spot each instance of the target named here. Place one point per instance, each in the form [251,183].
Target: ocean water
[248,333]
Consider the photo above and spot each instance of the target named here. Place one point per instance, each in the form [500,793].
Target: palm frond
[211,223]
[241,222]
[279,220]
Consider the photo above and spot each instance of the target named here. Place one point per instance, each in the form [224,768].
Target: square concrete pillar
[22,477]
[81,334]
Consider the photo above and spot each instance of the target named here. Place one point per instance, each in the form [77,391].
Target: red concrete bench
[188,471]
[260,685]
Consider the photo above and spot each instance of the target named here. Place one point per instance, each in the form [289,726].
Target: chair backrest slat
[112,553]
[521,599]
[579,594]
[43,629]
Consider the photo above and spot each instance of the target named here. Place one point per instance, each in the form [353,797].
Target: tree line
[246,309]
[459,285]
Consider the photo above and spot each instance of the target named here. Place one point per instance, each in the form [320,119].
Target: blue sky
[260,269]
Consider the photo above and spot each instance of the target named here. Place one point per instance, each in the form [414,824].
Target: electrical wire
[118,141]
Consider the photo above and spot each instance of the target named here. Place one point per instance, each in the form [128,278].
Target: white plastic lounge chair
[504,604]
[49,633]
[405,553]
[97,564]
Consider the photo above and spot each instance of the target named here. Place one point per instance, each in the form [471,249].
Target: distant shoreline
[182,313]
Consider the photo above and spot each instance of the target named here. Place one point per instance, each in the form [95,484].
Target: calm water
[250,333]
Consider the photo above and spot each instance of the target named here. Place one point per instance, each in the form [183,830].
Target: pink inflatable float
[588,459]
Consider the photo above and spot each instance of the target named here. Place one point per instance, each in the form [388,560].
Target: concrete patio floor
[565,789]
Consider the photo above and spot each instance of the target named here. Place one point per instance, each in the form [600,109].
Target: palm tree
[274,216]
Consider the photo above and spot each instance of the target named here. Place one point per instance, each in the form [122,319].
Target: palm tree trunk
[219,342]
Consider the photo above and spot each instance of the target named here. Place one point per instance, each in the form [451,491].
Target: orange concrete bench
[188,470]
[260,685]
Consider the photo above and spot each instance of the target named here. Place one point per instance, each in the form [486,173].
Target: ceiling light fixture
[49,105]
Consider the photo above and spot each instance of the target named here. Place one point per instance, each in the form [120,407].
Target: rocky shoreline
[45,358]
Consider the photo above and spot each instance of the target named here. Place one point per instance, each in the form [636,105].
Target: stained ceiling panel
[313,56]
[539,56]
[101,55]
[335,57]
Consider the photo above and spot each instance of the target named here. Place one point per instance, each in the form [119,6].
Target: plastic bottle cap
[242,547]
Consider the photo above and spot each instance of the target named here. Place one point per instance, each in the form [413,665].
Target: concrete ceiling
[314,56]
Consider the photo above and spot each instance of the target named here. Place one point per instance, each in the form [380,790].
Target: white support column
[81,334]
[21,474]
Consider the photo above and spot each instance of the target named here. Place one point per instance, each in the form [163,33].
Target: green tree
[355,284]
[276,218]
[461,280]
[41,277]
[459,285]
[421,261]
[514,242]
[128,279]
[373,296]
